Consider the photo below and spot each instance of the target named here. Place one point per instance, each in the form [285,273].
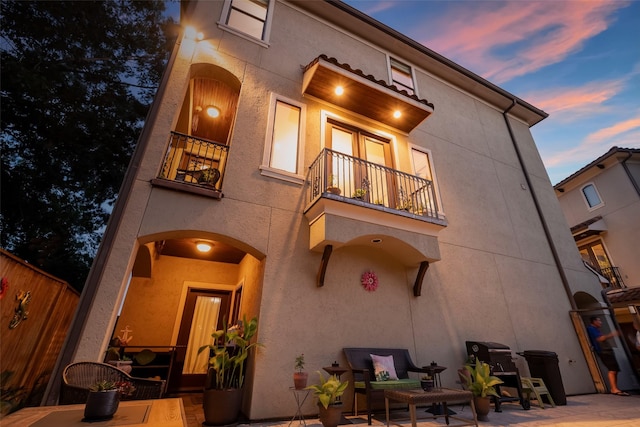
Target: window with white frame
[284,142]
[422,164]
[591,196]
[401,76]
[249,17]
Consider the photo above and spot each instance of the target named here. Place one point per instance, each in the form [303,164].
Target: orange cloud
[503,40]
[611,132]
[622,134]
[568,104]
[371,8]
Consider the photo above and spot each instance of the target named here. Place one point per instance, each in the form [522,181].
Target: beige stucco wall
[496,280]
[152,305]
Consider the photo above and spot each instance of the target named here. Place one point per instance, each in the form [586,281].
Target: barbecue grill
[499,357]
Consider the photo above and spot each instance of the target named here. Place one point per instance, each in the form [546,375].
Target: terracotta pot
[101,405]
[483,406]
[221,407]
[330,416]
[300,380]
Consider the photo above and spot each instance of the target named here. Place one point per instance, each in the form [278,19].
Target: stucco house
[305,144]
[601,203]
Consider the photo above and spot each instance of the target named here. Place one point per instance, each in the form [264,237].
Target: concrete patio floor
[593,410]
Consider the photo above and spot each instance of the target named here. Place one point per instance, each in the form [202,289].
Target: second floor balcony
[613,275]
[193,164]
[355,181]
[355,202]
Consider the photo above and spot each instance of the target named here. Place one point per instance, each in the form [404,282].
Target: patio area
[592,410]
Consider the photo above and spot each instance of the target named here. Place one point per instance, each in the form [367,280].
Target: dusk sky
[577,60]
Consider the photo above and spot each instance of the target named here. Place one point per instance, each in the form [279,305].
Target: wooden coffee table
[443,396]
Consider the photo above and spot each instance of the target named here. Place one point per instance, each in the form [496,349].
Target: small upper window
[591,195]
[250,17]
[401,76]
[284,143]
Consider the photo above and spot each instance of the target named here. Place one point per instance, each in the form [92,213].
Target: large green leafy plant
[479,379]
[328,390]
[229,352]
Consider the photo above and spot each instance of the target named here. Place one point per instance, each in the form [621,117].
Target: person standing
[600,344]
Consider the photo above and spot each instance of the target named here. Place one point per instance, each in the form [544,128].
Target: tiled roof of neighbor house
[600,159]
[623,295]
[369,77]
[585,225]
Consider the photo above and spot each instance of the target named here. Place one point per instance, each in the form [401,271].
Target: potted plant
[300,377]
[426,382]
[104,398]
[404,200]
[225,377]
[359,193]
[479,381]
[328,392]
[332,186]
[117,358]
[209,176]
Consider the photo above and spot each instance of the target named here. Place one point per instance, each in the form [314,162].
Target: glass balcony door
[368,182]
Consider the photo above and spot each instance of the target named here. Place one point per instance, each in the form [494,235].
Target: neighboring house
[601,203]
[304,144]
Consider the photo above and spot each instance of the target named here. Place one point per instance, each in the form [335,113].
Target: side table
[434,371]
[301,397]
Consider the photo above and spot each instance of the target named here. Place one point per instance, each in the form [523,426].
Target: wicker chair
[78,377]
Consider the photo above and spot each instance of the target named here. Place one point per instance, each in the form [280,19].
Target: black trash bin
[544,364]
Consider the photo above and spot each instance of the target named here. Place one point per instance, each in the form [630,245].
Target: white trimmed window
[248,17]
[422,165]
[284,140]
[401,76]
[591,196]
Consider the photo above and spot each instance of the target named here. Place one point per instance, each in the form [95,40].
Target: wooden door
[204,313]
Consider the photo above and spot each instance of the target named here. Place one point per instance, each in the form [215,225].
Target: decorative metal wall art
[21,312]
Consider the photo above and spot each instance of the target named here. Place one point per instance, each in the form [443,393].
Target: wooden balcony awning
[363,94]
[591,227]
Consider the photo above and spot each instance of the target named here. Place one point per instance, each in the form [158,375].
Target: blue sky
[577,60]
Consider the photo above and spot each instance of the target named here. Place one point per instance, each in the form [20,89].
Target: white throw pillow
[384,368]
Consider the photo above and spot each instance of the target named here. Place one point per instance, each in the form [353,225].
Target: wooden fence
[36,312]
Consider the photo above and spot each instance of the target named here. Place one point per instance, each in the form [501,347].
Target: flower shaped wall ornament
[369,281]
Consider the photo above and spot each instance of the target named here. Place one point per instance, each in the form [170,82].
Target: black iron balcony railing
[347,178]
[614,277]
[194,161]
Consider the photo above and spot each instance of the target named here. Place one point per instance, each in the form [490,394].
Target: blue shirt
[594,334]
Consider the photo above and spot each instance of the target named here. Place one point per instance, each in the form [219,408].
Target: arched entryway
[589,306]
[178,295]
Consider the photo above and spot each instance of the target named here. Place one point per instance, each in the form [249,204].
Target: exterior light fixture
[212,111]
[192,34]
[203,246]
[397,114]
[339,90]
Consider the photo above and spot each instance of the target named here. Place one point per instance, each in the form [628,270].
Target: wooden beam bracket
[417,286]
[323,265]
